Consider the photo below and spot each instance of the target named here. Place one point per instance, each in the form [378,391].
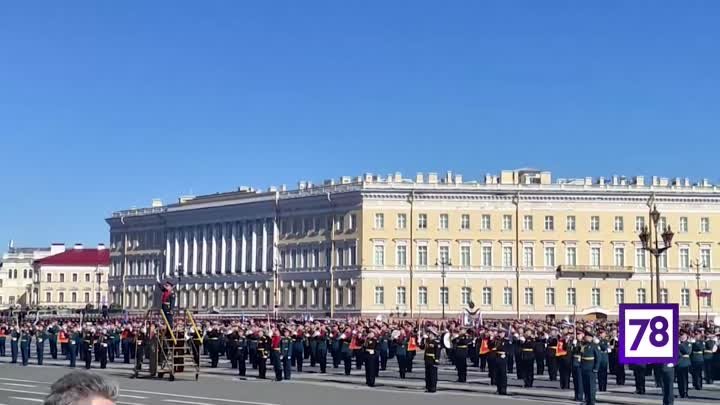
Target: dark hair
[77,386]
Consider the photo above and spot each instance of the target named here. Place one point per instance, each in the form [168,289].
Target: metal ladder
[174,352]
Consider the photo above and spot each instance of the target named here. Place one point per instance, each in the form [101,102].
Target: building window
[444,221]
[550,256]
[487,296]
[400,296]
[683,224]
[663,260]
[61,297]
[485,222]
[25,273]
[596,297]
[465,222]
[465,256]
[74,278]
[705,258]
[507,256]
[379,295]
[549,223]
[529,296]
[685,297]
[87,297]
[684,258]
[619,296]
[640,256]
[705,301]
[466,295]
[444,254]
[48,297]
[507,296]
[444,296]
[663,296]
[73,297]
[379,255]
[422,221]
[704,225]
[571,297]
[422,255]
[641,296]
[570,223]
[619,256]
[639,224]
[87,277]
[528,256]
[487,256]
[528,223]
[422,296]
[507,223]
[594,223]
[15,274]
[401,255]
[401,221]
[571,256]
[619,224]
[550,296]
[48,277]
[379,221]
[62,277]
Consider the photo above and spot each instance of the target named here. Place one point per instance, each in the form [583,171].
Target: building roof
[78,257]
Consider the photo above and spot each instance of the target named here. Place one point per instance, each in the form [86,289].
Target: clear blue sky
[107,104]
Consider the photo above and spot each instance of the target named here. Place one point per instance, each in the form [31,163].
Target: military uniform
[25,347]
[667,378]
[40,339]
[696,363]
[241,354]
[263,350]
[500,367]
[539,349]
[87,345]
[527,357]
[564,363]
[285,356]
[371,360]
[589,365]
[684,351]
[460,346]
[213,345]
[603,366]
[552,358]
[432,359]
[639,372]
[577,352]
[3,338]
[321,351]
[708,352]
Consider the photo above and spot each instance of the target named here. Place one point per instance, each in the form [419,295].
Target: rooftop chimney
[419,178]
[101,246]
[78,246]
[56,248]
[156,203]
[432,178]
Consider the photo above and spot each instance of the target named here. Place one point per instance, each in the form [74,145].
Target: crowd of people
[580,356]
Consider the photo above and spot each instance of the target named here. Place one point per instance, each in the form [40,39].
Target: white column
[168,257]
[276,240]
[214,253]
[264,257]
[253,253]
[186,252]
[223,248]
[194,266]
[233,247]
[176,256]
[243,245]
[204,250]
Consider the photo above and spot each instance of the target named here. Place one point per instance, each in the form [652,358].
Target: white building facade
[16,274]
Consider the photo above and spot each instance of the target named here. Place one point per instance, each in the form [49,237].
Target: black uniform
[500,367]
[540,347]
[263,350]
[213,345]
[697,361]
[460,352]
[432,359]
[88,341]
[371,357]
[551,357]
[527,357]
[241,354]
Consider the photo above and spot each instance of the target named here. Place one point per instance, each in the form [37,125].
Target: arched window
[15,274]
[25,273]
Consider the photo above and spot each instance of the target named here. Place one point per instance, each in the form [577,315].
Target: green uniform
[696,363]
[683,366]
[589,365]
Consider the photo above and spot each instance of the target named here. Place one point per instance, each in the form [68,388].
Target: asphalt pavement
[221,386]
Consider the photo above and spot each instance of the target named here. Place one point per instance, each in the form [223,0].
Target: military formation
[579,356]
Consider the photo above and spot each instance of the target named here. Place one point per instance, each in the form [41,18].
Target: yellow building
[397,242]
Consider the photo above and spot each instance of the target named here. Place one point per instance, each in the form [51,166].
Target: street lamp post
[443,292]
[654,246]
[697,290]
